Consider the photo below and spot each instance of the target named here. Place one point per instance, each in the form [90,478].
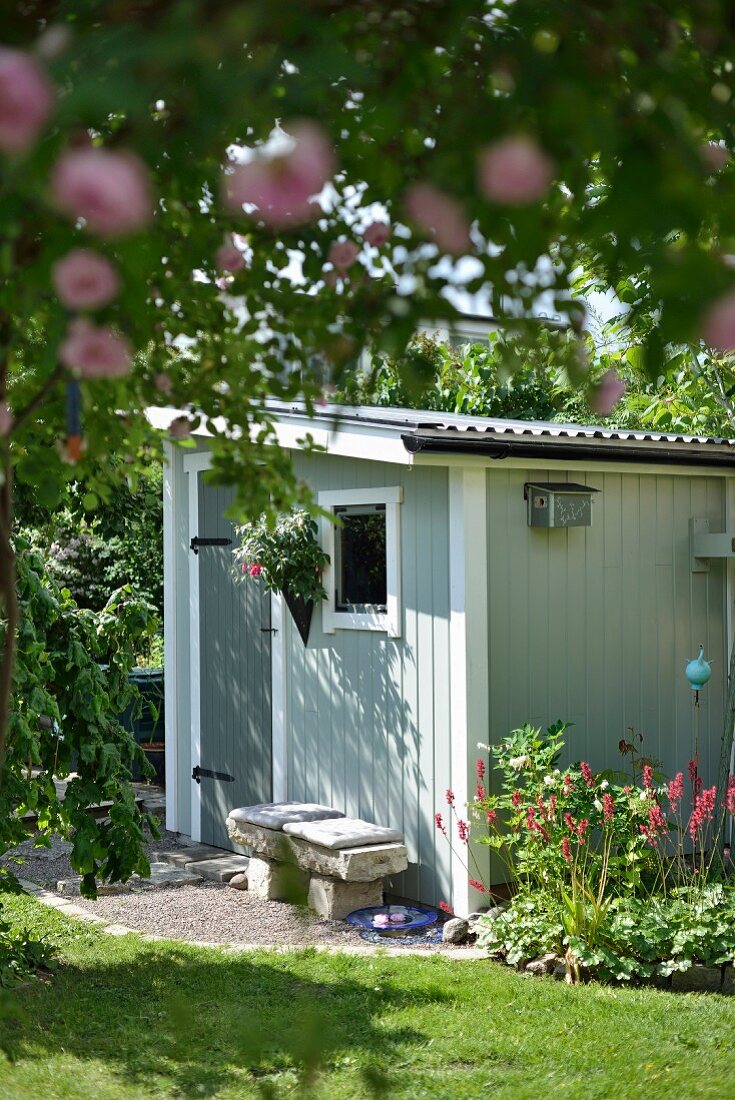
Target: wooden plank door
[235,672]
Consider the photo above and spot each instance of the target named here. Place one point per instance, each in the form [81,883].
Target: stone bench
[339,862]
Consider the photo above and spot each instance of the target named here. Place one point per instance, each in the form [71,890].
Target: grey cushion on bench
[344,832]
[274,815]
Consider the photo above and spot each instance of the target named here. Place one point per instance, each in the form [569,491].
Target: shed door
[235,677]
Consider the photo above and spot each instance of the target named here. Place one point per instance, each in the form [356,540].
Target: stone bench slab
[360,864]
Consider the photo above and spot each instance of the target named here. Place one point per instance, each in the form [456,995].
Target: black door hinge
[197,774]
[196,542]
[269,630]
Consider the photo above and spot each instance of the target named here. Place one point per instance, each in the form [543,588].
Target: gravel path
[214,913]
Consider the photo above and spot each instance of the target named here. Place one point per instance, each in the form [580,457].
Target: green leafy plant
[283,554]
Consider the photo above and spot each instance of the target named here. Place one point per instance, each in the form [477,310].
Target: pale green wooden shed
[485,619]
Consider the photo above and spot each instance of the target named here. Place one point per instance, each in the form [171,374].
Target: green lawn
[127,1019]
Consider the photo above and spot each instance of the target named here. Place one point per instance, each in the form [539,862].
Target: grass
[122,1018]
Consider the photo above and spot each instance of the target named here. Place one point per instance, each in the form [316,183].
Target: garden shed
[523,572]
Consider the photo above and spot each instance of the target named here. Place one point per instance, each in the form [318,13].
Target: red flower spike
[587,775]
[648,777]
[480,768]
[566,849]
[477,885]
[445,908]
[449,797]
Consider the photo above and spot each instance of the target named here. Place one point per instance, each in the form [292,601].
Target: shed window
[360,558]
[362,581]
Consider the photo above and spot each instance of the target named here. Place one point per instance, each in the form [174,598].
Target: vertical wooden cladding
[594,625]
[367,716]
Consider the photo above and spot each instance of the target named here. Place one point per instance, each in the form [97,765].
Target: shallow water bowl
[392,920]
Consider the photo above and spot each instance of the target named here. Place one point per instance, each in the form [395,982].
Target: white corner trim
[171,504]
[195,671]
[279,725]
[390,621]
[468,643]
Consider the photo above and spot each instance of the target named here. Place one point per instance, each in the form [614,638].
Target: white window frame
[389,621]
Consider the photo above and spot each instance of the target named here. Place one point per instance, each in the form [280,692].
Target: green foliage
[22,955]
[283,555]
[71,683]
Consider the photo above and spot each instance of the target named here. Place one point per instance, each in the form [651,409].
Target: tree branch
[24,414]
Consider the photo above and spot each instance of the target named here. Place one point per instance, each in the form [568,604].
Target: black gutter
[576,450]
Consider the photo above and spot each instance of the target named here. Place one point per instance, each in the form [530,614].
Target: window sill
[346,620]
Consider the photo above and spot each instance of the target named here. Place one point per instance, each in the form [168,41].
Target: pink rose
[229,257]
[439,215]
[282,187]
[26,100]
[6,418]
[376,235]
[607,393]
[718,325]
[110,190]
[514,171]
[180,428]
[255,570]
[95,352]
[163,383]
[714,156]
[342,254]
[84,280]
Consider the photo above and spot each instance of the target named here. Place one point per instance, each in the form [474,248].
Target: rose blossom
[228,257]
[439,215]
[163,383]
[110,190]
[376,235]
[607,393]
[514,171]
[282,187]
[95,352]
[84,280]
[718,325]
[343,254]
[255,570]
[180,428]
[714,156]
[26,100]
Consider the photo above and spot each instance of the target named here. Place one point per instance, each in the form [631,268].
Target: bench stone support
[276,881]
[333,899]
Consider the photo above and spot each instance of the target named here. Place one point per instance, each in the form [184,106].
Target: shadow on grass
[194,1024]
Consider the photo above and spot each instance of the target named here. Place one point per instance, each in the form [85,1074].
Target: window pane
[361,571]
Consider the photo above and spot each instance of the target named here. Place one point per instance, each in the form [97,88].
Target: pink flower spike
[647,776]
[229,257]
[376,235]
[94,352]
[445,908]
[6,419]
[718,325]
[607,393]
[441,216]
[342,254]
[283,187]
[514,172]
[450,797]
[85,280]
[26,100]
[180,428]
[110,190]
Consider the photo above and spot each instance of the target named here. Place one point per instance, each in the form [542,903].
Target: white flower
[598,805]
[518,762]
[549,781]
[604,785]
[643,796]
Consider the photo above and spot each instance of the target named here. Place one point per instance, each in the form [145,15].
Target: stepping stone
[220,869]
[164,874]
[195,853]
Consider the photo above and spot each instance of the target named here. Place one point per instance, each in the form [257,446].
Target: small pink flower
[445,908]
[582,829]
[516,798]
[439,822]
[477,885]
[180,428]
[6,419]
[607,393]
[26,100]
[569,822]
[492,816]
[95,352]
[480,768]
[729,793]
[376,235]
[714,156]
[85,280]
[718,325]
[480,792]
[608,807]
[342,254]
[228,257]
[255,570]
[449,797]
[647,776]
[283,187]
[109,190]
[676,791]
[440,215]
[566,849]
[514,172]
[163,383]
[463,831]
[586,771]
